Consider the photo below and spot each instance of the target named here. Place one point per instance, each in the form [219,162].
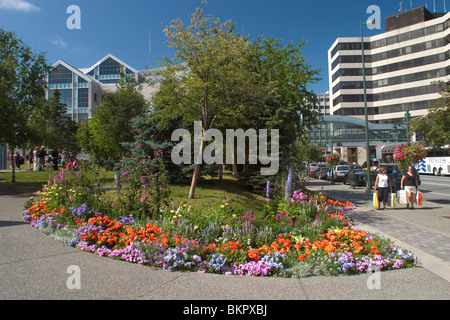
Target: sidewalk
[425,231]
[36,266]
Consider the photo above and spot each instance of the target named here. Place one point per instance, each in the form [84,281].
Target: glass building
[82,89]
[347,136]
[79,92]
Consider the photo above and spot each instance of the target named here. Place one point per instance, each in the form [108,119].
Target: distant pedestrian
[18,160]
[55,158]
[36,158]
[30,158]
[41,158]
[410,181]
[383,185]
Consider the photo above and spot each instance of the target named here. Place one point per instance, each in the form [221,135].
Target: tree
[289,107]
[111,125]
[209,72]
[435,126]
[50,126]
[22,89]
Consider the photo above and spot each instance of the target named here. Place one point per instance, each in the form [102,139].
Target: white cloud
[57,41]
[18,5]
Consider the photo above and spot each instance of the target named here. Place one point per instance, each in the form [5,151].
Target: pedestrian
[411,183]
[18,160]
[30,158]
[383,185]
[41,156]
[55,158]
[36,158]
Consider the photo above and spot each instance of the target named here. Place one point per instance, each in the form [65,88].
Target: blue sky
[122,27]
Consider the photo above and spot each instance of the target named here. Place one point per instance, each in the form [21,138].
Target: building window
[60,75]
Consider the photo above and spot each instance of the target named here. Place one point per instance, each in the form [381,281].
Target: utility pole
[407,116]
[369,184]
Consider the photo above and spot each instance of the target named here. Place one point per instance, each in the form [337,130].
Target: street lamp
[369,185]
[331,169]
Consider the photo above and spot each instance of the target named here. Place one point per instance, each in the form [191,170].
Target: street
[435,188]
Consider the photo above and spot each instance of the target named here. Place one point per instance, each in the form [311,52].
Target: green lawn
[208,191]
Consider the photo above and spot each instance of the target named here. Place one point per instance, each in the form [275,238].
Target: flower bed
[306,235]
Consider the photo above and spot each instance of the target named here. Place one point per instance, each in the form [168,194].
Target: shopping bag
[375,200]
[393,200]
[419,198]
[402,197]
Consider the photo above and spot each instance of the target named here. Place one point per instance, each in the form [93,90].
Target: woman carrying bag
[382,187]
[411,184]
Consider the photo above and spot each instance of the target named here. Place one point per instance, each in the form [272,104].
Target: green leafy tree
[50,126]
[111,126]
[435,126]
[203,82]
[22,89]
[290,106]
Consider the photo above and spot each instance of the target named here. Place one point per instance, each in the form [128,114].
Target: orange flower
[375,250]
[301,257]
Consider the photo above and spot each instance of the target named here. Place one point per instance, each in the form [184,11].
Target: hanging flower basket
[408,154]
[333,159]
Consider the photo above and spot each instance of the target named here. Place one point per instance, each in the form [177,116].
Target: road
[436,188]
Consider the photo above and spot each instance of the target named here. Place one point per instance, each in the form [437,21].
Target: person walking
[55,158]
[36,158]
[30,158]
[382,187]
[410,182]
[41,156]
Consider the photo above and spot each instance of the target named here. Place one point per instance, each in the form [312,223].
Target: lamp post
[369,185]
[331,169]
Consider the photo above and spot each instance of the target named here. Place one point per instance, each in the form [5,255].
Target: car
[313,167]
[360,173]
[339,171]
[322,172]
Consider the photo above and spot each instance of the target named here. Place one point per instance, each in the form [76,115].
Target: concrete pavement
[36,266]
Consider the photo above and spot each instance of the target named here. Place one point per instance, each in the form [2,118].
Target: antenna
[149,50]
[445,9]
[400,10]
[434,5]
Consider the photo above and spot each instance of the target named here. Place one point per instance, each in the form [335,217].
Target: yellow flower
[226,203]
[172,211]
[234,216]
[179,216]
[222,206]
[195,227]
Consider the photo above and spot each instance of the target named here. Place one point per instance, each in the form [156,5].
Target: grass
[208,191]
[26,181]
[212,191]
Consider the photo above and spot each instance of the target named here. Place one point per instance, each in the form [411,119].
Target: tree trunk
[198,166]
[221,172]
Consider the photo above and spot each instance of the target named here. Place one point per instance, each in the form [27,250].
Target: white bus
[437,162]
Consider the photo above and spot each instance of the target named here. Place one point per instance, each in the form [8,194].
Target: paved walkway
[36,266]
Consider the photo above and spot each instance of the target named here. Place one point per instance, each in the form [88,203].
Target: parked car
[340,171]
[322,173]
[360,173]
[313,167]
